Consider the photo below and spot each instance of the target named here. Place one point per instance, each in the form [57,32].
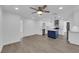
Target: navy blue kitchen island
[53,34]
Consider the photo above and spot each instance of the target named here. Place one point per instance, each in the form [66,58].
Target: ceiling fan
[40,10]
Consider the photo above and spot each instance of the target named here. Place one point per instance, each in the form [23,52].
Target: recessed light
[60,8]
[16,8]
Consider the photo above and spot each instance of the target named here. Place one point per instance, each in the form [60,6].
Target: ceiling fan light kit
[39,12]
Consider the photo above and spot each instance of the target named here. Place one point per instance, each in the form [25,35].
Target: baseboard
[29,35]
[11,42]
[73,42]
[7,43]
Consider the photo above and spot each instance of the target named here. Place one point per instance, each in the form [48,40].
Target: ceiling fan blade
[46,11]
[33,8]
[44,6]
[34,12]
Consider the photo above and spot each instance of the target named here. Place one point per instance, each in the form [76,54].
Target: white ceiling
[25,11]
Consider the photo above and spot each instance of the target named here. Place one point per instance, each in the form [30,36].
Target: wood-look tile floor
[41,44]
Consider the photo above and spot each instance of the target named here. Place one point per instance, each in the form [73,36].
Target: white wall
[31,27]
[11,28]
[76,19]
[1,37]
[74,37]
